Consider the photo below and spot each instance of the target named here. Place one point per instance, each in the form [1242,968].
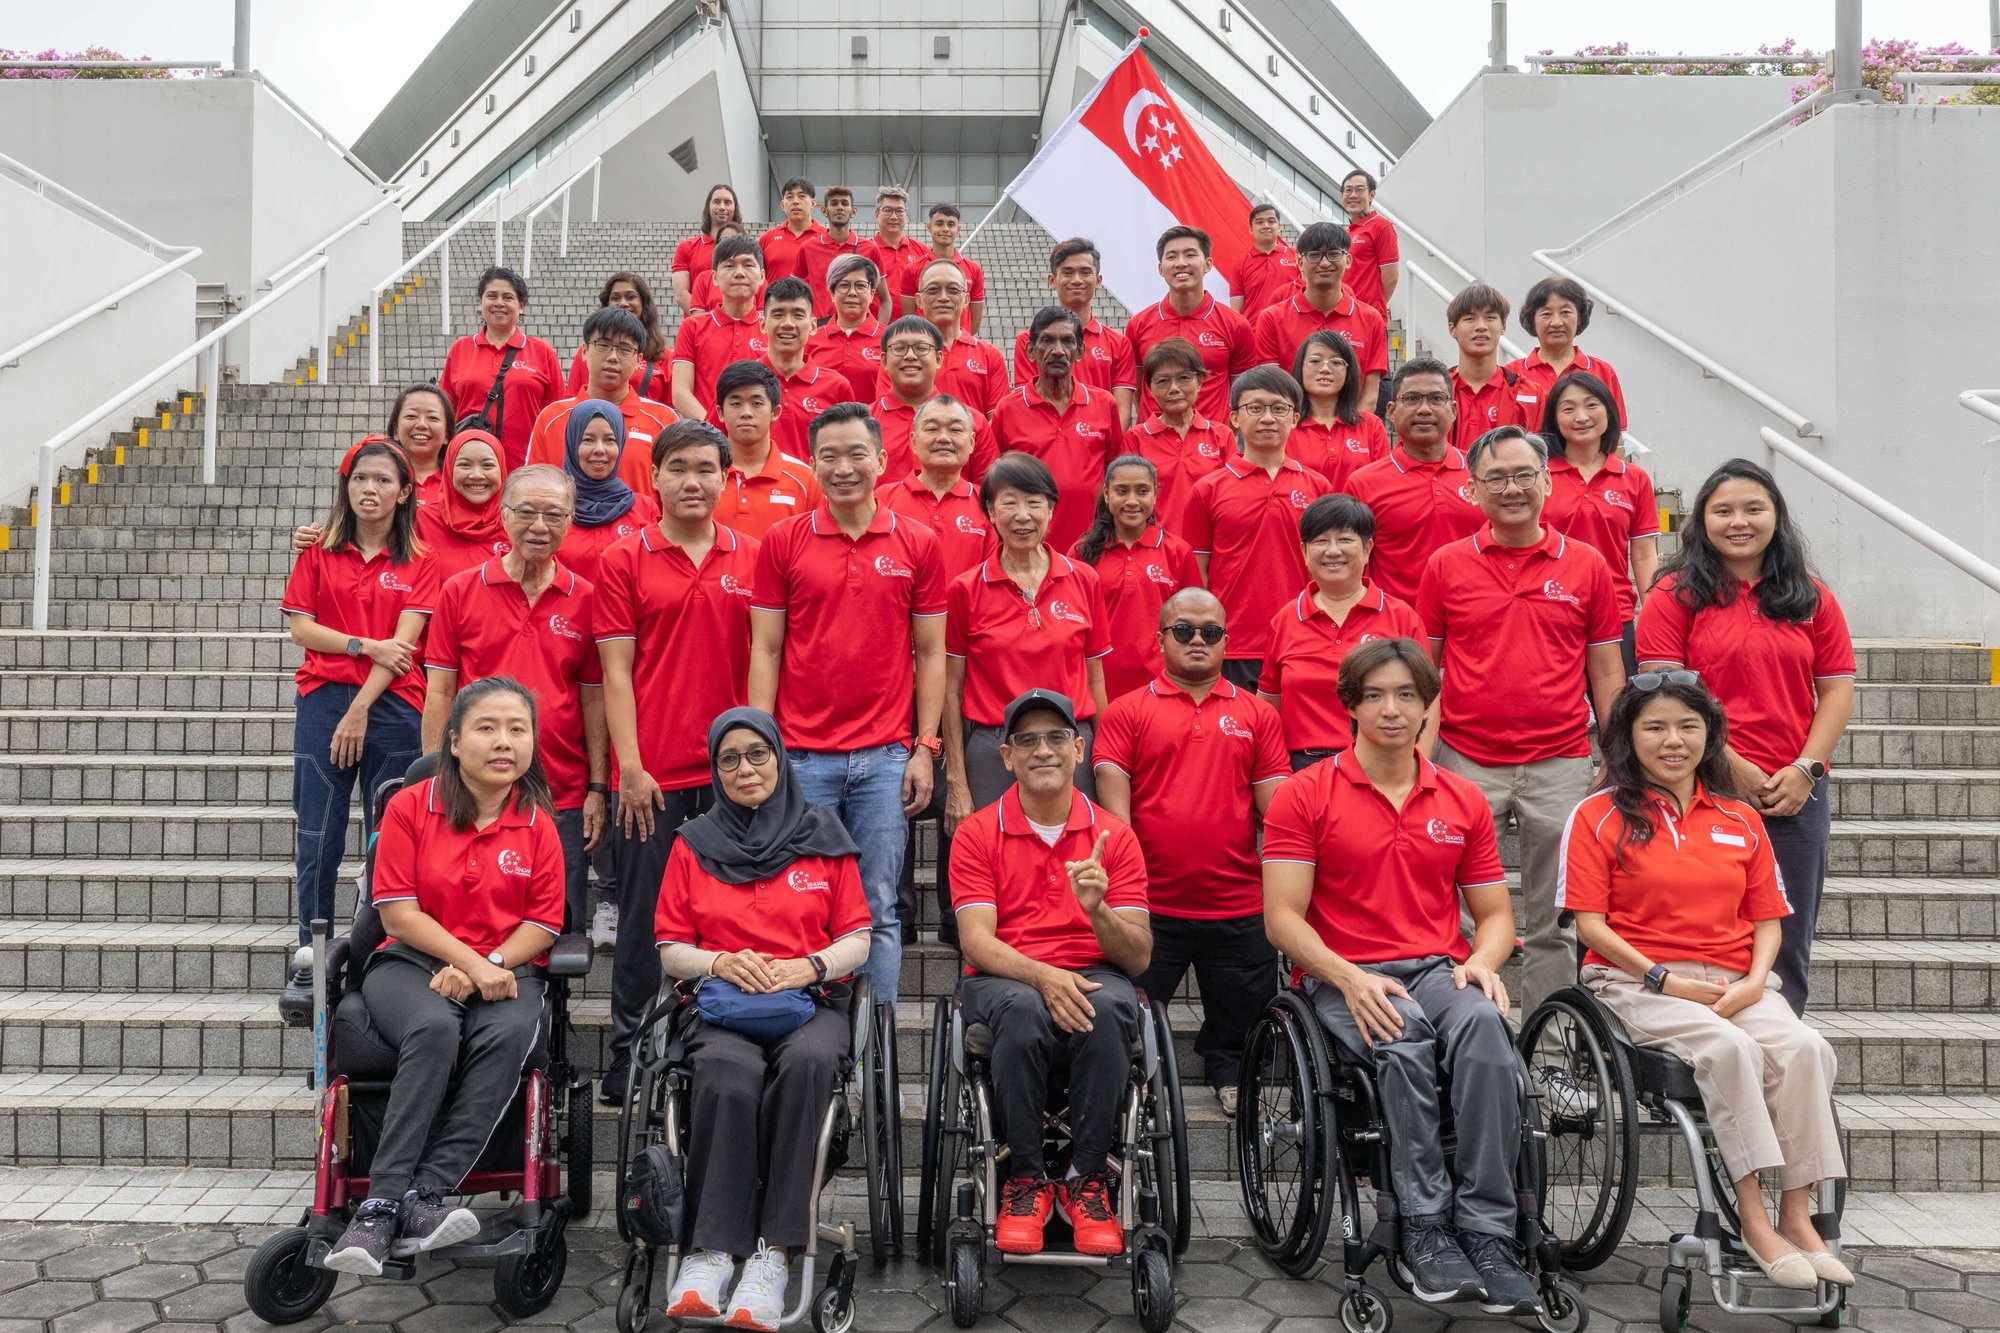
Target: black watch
[1656,978]
[600,788]
[819,965]
[1813,767]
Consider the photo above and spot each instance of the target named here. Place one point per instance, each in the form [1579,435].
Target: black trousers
[458,1065]
[1027,1044]
[1799,845]
[635,958]
[753,1131]
[1237,970]
[576,869]
[1242,672]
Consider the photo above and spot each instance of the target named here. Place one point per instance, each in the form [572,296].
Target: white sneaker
[1563,1095]
[698,1286]
[604,926]
[759,1299]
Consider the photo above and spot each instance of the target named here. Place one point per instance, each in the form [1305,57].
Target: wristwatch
[598,787]
[496,959]
[819,965]
[1812,768]
[932,743]
[1656,978]
[353,646]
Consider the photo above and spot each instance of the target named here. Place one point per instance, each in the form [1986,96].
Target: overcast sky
[343,61]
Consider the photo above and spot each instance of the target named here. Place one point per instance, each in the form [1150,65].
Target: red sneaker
[1086,1202]
[1025,1205]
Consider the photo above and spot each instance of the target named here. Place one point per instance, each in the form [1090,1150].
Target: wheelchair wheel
[1153,1290]
[524,1284]
[642,1119]
[882,1134]
[1282,1148]
[940,1100]
[280,1286]
[579,1141]
[1365,1310]
[965,1283]
[1676,1286]
[1563,1310]
[1171,1177]
[635,1296]
[1588,1104]
[830,1314]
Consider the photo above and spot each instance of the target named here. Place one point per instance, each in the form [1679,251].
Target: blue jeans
[321,792]
[865,788]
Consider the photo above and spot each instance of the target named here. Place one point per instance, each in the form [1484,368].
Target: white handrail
[284,99]
[1986,402]
[12,356]
[1915,529]
[76,203]
[208,347]
[441,242]
[394,195]
[593,168]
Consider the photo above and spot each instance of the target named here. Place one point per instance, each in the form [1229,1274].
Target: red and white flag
[1123,168]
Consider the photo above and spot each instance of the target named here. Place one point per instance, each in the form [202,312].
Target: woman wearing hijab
[762,896]
[607,507]
[462,530]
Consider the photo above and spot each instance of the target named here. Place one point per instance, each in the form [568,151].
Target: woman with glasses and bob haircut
[1678,900]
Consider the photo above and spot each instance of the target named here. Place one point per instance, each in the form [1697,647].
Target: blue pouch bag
[762,1017]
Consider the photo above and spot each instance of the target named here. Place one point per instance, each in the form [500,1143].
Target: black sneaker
[365,1244]
[1509,1289]
[611,1088]
[429,1225]
[295,1001]
[1439,1271]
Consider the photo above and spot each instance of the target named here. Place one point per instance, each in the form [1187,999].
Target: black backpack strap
[496,403]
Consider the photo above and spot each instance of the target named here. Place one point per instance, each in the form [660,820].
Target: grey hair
[547,473]
[942,400]
[1499,435]
[846,264]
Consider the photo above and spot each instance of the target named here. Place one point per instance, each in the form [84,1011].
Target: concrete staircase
[146,833]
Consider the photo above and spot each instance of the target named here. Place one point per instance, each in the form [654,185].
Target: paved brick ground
[126,1277]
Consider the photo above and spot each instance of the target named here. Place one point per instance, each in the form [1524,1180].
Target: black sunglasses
[1652,680]
[1184,632]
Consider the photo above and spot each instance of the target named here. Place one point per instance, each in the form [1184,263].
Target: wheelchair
[1603,1092]
[965,1163]
[1309,1129]
[540,1151]
[655,1116]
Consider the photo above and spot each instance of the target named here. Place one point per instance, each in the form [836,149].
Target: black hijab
[737,844]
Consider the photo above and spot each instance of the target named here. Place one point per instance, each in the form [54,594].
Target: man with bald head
[1191,762]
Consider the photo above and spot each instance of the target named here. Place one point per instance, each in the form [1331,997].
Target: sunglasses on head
[1184,632]
[1652,680]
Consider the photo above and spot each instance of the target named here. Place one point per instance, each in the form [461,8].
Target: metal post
[240,62]
[444,288]
[1993,24]
[322,939]
[211,391]
[45,522]
[528,248]
[1847,46]
[597,170]
[563,251]
[499,231]
[375,336]
[324,338]
[1496,45]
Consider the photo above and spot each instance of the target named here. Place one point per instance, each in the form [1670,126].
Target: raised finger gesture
[1087,877]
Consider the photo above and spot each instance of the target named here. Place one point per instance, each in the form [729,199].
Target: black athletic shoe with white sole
[1439,1271]
[365,1244]
[429,1225]
[1509,1289]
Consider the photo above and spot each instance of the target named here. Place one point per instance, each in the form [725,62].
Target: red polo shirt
[999,861]
[1505,400]
[955,519]
[483,626]
[798,911]
[854,354]
[784,250]
[1386,882]
[1516,622]
[583,548]
[691,642]
[1181,460]
[702,293]
[899,422]
[1371,244]
[1544,376]
[1418,508]
[805,395]
[1340,450]
[1246,521]
[1225,339]
[816,256]
[892,262]
[711,340]
[1762,671]
[753,501]
[362,599]
[644,420]
[1302,664]
[974,371]
[480,884]
[1011,644]
[840,690]
[450,553]
[1106,362]
[1615,508]
[532,380]
[1076,443]
[1693,892]
[904,286]
[1136,581]
[1192,766]
[1263,280]
[695,255]
[1284,326]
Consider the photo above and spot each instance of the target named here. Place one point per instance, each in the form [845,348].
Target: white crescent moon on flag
[1142,99]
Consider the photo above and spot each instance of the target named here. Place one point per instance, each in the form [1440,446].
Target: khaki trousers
[1766,1078]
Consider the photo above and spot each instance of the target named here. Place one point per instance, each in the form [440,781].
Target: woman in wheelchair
[1678,901]
[468,878]
[761,899]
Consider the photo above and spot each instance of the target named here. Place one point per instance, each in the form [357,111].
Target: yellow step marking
[6,538]
[142,437]
[1993,675]
[62,496]
[90,474]
[166,420]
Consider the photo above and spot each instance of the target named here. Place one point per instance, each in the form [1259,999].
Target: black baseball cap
[1033,699]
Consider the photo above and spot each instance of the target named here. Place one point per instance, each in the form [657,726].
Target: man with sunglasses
[1191,762]
[1524,625]
[1050,894]
[1322,302]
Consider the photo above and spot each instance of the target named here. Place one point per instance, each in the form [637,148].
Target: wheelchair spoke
[1278,1148]
[1591,1146]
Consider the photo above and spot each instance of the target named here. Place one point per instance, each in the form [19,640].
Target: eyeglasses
[907,351]
[1272,410]
[756,756]
[1054,737]
[1496,483]
[620,349]
[1310,258]
[1424,399]
[555,518]
[1648,681]
[950,289]
[1184,632]
[1184,380]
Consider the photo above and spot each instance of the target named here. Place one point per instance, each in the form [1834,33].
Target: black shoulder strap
[496,405]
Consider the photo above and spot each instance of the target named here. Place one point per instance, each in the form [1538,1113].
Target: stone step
[1909,909]
[195,521]
[81,651]
[1892,793]
[1912,745]
[220,832]
[117,566]
[1928,663]
[145,778]
[224,734]
[301,488]
[1914,847]
[219,616]
[263,587]
[177,891]
[1905,702]
[181,691]
[113,531]
[1906,976]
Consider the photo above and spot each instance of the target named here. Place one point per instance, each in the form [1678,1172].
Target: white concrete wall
[805,66]
[61,380]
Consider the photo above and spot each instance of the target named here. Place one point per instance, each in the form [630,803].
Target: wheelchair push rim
[1588,1100]
[1281,1142]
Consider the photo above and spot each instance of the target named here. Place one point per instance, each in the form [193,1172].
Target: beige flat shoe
[1828,1268]
[1792,1270]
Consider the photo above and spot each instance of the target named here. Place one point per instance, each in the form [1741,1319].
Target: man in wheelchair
[1049,891]
[1366,856]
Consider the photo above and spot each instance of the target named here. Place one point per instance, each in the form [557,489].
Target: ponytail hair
[1090,546]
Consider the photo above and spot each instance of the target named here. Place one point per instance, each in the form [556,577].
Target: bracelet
[599,788]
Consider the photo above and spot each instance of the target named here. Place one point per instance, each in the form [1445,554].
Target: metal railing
[1986,402]
[595,170]
[1738,61]
[76,203]
[285,100]
[110,301]
[206,351]
[210,66]
[440,245]
[323,340]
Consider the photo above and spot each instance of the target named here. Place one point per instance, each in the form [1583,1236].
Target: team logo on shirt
[1208,339]
[1618,500]
[801,881]
[1089,432]
[809,404]
[1717,833]
[755,343]
[1555,592]
[625,529]
[1300,499]
[1208,449]
[1062,610]
[735,586]
[871,354]
[972,364]
[1356,445]
[1288,261]
[1159,576]
[887,567]
[390,583]
[1099,354]
[1232,726]
[560,627]
[512,862]
[968,526]
[1465,493]
[1441,833]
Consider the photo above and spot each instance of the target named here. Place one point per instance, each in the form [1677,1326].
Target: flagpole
[1050,143]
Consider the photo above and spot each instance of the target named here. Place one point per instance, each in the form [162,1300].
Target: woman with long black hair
[654,376]
[1139,566]
[1740,605]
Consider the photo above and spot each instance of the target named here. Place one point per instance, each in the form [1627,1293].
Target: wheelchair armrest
[570,956]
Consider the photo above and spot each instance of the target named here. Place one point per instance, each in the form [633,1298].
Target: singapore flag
[1123,168]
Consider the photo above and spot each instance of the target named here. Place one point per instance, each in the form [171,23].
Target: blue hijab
[597,502]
